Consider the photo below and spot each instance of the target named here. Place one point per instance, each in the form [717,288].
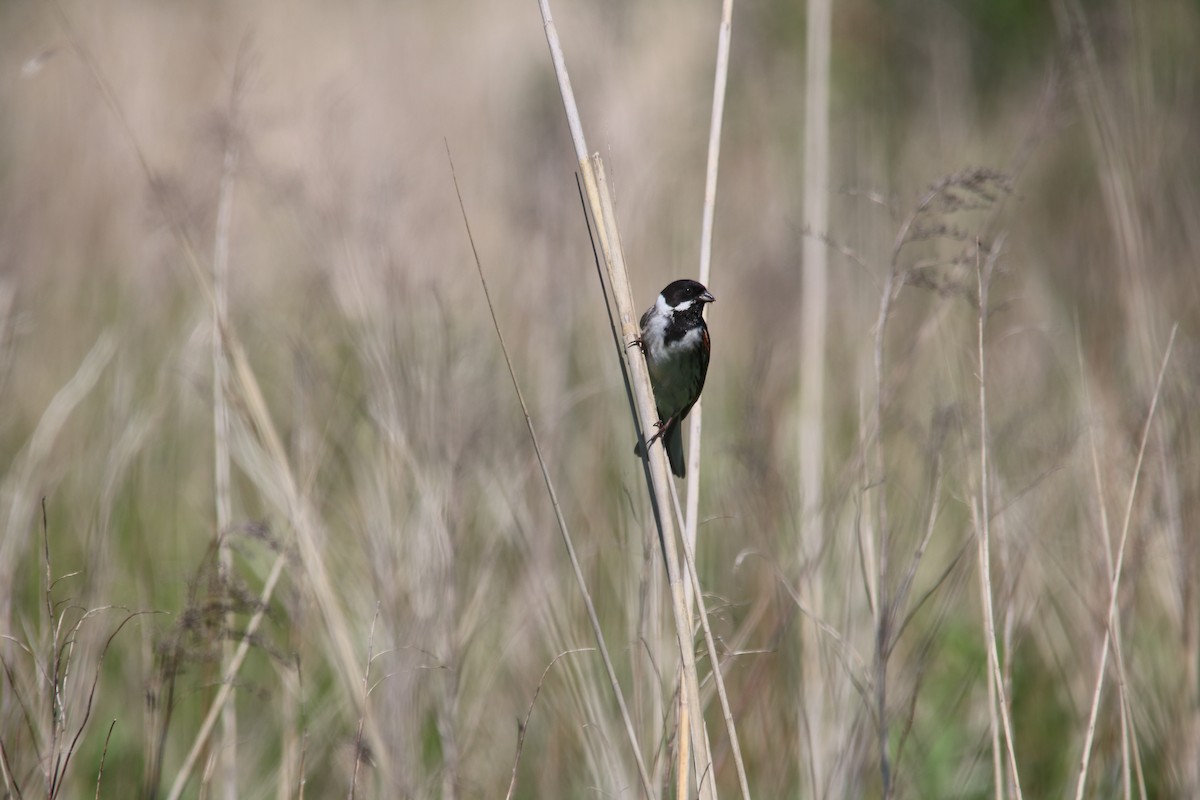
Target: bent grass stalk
[563,530]
[523,726]
[1110,619]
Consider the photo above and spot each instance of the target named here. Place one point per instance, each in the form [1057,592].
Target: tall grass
[380,463]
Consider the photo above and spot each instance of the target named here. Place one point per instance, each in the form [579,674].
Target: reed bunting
[675,340]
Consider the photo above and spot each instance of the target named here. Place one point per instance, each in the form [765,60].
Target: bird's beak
[707,298]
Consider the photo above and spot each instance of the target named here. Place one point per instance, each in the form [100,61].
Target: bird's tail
[674,444]
[672,439]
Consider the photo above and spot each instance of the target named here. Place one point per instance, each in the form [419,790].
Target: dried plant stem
[659,471]
[815,290]
[524,725]
[600,204]
[290,758]
[720,80]
[650,631]
[981,511]
[563,530]
[718,680]
[1115,578]
[877,553]
[814,708]
[282,490]
[21,484]
[689,524]
[994,678]
[223,694]
[104,757]
[221,491]
[10,783]
[1106,535]
[366,690]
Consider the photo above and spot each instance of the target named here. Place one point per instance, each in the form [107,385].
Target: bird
[677,347]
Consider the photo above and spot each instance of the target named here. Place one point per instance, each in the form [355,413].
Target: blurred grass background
[352,292]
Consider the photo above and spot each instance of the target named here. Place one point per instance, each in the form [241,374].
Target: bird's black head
[686,293]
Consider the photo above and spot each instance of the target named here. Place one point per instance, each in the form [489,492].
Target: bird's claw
[662,428]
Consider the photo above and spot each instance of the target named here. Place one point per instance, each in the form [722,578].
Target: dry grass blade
[1114,588]
[221,460]
[524,724]
[63,751]
[10,783]
[735,747]
[981,512]
[558,515]
[366,690]
[22,479]
[103,757]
